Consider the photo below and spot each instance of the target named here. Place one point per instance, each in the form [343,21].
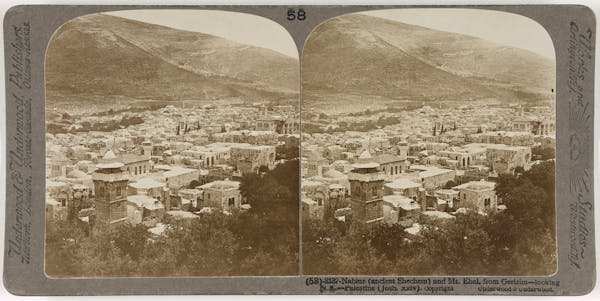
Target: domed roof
[365,155]
[109,155]
[334,174]
[109,165]
[76,173]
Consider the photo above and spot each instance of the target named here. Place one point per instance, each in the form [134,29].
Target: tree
[202,248]
[271,225]
[63,244]
[543,153]
[287,152]
[263,168]
[194,184]
[517,241]
[319,241]
[449,184]
[460,247]
[389,239]
[131,240]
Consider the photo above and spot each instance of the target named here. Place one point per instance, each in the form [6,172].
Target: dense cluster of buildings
[179,163]
[433,164]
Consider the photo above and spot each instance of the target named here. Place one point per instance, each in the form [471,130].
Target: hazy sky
[499,27]
[243,28]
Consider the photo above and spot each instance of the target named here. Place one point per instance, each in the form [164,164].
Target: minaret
[403,150]
[366,186]
[147,148]
[110,187]
[521,111]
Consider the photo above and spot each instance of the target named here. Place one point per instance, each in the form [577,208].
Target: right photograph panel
[428,144]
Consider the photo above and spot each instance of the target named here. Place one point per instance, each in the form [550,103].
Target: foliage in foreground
[517,241]
[261,241]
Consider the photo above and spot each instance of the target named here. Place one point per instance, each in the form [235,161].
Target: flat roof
[146,183]
[477,185]
[365,165]
[402,183]
[109,165]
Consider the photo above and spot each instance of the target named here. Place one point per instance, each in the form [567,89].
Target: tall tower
[366,187]
[110,186]
[403,150]
[147,148]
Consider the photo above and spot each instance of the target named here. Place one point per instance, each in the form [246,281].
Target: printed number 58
[293,15]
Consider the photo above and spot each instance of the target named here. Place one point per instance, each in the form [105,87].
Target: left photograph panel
[172,145]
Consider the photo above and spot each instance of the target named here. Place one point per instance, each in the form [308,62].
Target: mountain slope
[99,55]
[369,56]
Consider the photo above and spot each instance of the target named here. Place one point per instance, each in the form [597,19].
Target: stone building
[311,209]
[143,208]
[504,159]
[248,159]
[247,136]
[315,190]
[402,186]
[110,187]
[149,187]
[465,156]
[314,163]
[278,124]
[55,210]
[178,177]
[366,190]
[224,194]
[477,195]
[134,164]
[391,165]
[58,166]
[535,125]
[398,209]
[432,177]
[209,155]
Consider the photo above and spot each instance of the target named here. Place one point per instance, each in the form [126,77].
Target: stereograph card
[299,150]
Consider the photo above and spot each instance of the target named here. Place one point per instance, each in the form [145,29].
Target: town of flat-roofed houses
[420,168]
[411,165]
[180,162]
[198,179]
[437,161]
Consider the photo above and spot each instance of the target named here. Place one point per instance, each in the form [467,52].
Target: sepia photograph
[172,146]
[428,145]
